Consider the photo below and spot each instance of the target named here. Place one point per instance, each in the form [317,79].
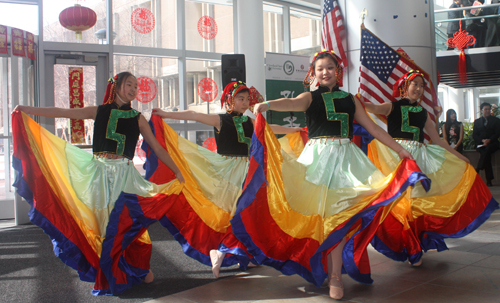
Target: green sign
[276,89]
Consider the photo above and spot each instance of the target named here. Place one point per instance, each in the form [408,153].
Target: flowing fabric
[457,203]
[294,211]
[95,210]
[200,223]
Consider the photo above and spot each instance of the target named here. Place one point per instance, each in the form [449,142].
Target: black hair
[448,124]
[122,77]
[484,104]
[325,55]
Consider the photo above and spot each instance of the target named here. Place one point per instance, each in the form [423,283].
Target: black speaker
[233,69]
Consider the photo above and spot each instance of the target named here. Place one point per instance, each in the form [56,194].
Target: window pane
[54,31]
[209,27]
[158,80]
[204,86]
[273,29]
[305,30]
[145,23]
[62,99]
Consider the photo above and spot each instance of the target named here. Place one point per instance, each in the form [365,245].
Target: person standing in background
[485,133]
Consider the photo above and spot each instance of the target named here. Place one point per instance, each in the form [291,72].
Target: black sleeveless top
[407,121]
[116,130]
[235,135]
[330,114]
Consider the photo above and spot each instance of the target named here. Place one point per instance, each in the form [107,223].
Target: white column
[250,41]
[408,24]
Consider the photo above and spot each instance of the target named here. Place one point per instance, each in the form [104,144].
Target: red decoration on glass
[207,89]
[210,144]
[143,20]
[147,89]
[207,27]
[78,19]
[461,40]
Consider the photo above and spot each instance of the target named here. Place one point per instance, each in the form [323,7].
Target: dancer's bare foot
[336,287]
[418,263]
[216,257]
[149,277]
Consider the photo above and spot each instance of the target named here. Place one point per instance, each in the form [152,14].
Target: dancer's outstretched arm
[88,112]
[212,120]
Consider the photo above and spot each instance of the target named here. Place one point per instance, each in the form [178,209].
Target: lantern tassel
[462,68]
[78,35]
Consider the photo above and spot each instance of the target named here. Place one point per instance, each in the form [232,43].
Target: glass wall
[145,23]
[273,29]
[209,26]
[305,31]
[54,31]
[158,84]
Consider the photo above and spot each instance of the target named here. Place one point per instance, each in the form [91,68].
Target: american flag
[381,66]
[332,25]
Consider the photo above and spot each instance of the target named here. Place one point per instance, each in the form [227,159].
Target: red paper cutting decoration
[207,27]
[78,19]
[143,20]
[207,89]
[461,40]
[147,89]
[210,144]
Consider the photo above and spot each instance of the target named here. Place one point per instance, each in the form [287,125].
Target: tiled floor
[468,272]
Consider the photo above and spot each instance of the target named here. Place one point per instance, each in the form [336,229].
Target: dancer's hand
[260,108]
[180,177]
[20,108]
[403,153]
[158,111]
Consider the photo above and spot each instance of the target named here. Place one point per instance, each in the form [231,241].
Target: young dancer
[458,201]
[233,132]
[77,197]
[303,216]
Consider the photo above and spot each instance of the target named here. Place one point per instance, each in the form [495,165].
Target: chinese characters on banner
[76,101]
[30,45]
[3,40]
[18,42]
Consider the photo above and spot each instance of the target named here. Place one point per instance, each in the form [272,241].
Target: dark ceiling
[483,69]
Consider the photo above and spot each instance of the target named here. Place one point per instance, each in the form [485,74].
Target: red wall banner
[30,45]
[18,42]
[76,101]
[3,40]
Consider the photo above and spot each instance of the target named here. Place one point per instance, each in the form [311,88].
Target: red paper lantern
[78,18]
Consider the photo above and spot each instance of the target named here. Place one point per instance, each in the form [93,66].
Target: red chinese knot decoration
[207,89]
[207,27]
[143,20]
[78,19]
[461,40]
[76,101]
[147,89]
[210,144]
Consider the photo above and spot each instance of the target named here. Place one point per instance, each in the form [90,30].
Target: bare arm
[88,112]
[380,109]
[431,131]
[376,131]
[298,104]
[212,120]
[162,154]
